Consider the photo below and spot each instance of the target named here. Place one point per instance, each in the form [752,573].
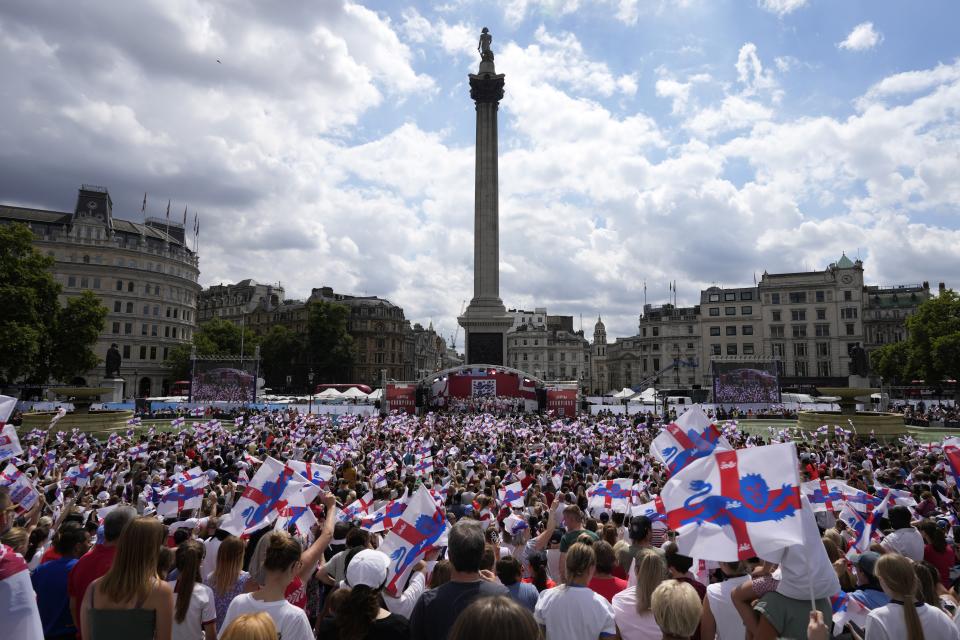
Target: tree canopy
[39,339]
[217,337]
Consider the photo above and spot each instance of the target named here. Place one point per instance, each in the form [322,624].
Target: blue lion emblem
[393,510]
[703,445]
[757,504]
[271,491]
[614,493]
[430,528]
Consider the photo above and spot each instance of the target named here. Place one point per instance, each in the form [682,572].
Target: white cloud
[750,71]
[862,38]
[782,7]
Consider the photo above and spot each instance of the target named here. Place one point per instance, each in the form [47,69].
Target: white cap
[369,567]
[103,496]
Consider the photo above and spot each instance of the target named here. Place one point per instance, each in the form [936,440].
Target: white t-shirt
[729,624]
[201,610]
[574,613]
[209,563]
[887,623]
[633,625]
[907,542]
[291,621]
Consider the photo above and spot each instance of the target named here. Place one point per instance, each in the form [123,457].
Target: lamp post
[310,381]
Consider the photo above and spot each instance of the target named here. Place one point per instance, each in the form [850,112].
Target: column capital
[486,88]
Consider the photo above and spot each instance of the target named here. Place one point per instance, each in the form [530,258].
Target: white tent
[353,392]
[647,396]
[626,392]
[329,394]
[376,394]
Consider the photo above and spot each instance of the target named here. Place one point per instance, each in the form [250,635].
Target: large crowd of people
[90,558]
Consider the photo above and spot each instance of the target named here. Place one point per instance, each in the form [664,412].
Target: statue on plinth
[859,362]
[113,361]
[486,53]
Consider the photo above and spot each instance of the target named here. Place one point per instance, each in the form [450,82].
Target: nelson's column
[485,322]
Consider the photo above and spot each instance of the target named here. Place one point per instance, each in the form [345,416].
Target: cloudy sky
[329,142]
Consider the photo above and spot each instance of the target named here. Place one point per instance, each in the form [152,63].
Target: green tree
[934,335]
[215,338]
[281,353]
[891,361]
[38,338]
[329,344]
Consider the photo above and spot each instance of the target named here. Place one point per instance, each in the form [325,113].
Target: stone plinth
[116,390]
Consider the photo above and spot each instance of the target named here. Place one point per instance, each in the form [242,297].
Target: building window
[714,331]
[690,329]
[799,331]
[116,327]
[117,305]
[129,307]
[822,330]
[777,348]
[715,348]
[823,368]
[656,331]
[729,296]
[84,283]
[848,313]
[143,353]
[798,315]
[800,368]
[119,285]
[819,296]
[775,298]
[747,330]
[714,297]
[156,311]
[96,283]
[823,349]
[775,315]
[144,329]
[851,329]
[729,311]
[731,330]
[800,349]
[748,349]
[166,352]
[731,349]
[746,295]
[747,311]
[714,311]
[153,353]
[126,352]
[127,328]
[798,297]
[130,287]
[848,296]
[166,331]
[776,331]
[821,314]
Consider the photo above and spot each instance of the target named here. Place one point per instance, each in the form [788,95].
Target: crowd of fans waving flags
[724,495]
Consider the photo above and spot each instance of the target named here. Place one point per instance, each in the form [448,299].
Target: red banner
[402,397]
[563,402]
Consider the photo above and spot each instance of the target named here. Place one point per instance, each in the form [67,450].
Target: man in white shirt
[904,539]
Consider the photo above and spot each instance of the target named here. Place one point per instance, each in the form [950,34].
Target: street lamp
[310,381]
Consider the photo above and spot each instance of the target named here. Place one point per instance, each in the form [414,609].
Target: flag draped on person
[422,527]
[735,505]
[691,437]
[272,487]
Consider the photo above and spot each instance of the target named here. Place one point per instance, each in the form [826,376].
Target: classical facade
[144,274]
[596,360]
[234,302]
[428,351]
[731,327]
[549,348]
[886,309]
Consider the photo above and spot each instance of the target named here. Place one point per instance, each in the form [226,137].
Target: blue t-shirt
[524,593]
[50,585]
[871,598]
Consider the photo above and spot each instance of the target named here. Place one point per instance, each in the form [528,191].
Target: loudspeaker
[541,399]
[421,397]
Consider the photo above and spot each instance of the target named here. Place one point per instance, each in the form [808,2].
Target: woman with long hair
[130,601]
[228,579]
[495,617]
[362,616]
[632,607]
[281,562]
[905,617]
[194,614]
[574,610]
[937,551]
[538,572]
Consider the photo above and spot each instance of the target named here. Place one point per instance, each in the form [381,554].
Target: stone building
[549,348]
[234,302]
[731,327]
[144,274]
[428,352]
[810,321]
[886,309]
[596,363]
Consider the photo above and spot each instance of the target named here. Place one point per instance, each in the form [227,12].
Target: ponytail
[898,575]
[189,557]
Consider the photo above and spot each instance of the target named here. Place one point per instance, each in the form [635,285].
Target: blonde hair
[580,557]
[651,570]
[251,626]
[896,573]
[676,608]
[229,565]
[17,538]
[134,571]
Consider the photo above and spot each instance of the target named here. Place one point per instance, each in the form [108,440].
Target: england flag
[692,437]
[421,528]
[273,487]
[610,495]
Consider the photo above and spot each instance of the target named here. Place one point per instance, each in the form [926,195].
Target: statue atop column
[486,53]
[113,361]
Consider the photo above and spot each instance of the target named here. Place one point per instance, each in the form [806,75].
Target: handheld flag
[272,488]
[690,438]
[611,495]
[419,530]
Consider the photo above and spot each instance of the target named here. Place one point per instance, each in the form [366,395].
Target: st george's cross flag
[735,505]
[9,443]
[513,495]
[318,474]
[611,495]
[648,509]
[952,453]
[832,495]
[861,526]
[273,487]
[299,515]
[357,509]
[182,496]
[385,517]
[691,437]
[422,527]
[21,488]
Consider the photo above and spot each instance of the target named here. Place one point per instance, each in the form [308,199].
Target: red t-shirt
[550,583]
[94,564]
[49,554]
[942,560]
[607,587]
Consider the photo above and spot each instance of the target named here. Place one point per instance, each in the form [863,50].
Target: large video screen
[745,383]
[224,381]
